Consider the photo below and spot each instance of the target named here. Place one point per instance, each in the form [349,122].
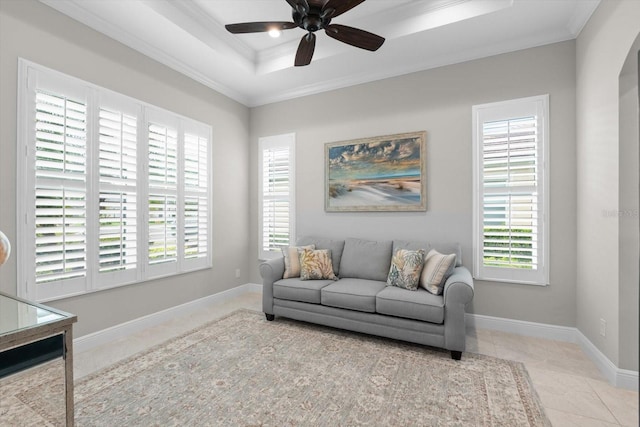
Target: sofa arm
[459,286]
[271,271]
[458,292]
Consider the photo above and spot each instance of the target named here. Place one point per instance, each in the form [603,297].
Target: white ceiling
[255,69]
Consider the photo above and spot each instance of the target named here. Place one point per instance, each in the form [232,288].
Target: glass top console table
[31,334]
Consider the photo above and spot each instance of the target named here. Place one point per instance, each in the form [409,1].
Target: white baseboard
[621,378]
[520,327]
[105,336]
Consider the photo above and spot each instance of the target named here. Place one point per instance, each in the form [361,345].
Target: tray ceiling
[256,69]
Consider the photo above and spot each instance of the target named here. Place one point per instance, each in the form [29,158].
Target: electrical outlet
[237,273]
[603,327]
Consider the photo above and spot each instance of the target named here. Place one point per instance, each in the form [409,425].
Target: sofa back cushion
[366,259]
[335,246]
[443,248]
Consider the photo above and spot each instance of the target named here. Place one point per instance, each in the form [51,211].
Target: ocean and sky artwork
[385,173]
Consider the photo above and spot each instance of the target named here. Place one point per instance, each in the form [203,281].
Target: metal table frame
[31,334]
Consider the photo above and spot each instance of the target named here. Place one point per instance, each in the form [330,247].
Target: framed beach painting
[383,173]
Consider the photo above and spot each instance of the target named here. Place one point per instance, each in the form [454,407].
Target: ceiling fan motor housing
[313,20]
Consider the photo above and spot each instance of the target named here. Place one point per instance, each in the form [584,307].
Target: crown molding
[227,65]
[211,32]
[75,10]
[507,46]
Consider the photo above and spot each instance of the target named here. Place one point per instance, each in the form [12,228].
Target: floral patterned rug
[243,370]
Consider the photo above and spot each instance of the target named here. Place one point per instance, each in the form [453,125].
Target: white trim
[123,330]
[288,141]
[74,10]
[521,327]
[505,110]
[621,378]
[32,76]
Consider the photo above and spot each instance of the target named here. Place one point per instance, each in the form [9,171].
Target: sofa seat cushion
[352,294]
[297,289]
[418,305]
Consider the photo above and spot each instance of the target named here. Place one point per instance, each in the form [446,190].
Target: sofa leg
[270,317]
[456,355]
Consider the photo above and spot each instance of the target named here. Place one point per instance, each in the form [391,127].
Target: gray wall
[36,32]
[629,243]
[439,101]
[602,286]
[594,164]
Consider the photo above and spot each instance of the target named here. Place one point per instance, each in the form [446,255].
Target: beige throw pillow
[316,265]
[437,267]
[292,260]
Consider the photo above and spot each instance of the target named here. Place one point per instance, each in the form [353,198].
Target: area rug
[244,371]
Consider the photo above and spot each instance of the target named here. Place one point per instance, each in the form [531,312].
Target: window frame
[269,143]
[33,78]
[502,111]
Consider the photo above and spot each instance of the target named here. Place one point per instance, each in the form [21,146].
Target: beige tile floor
[571,388]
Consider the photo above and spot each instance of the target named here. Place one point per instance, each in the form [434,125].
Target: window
[114,191]
[277,194]
[510,149]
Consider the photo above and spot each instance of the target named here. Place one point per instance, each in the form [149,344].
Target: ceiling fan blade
[301,6]
[317,3]
[355,37]
[340,6]
[305,50]
[258,27]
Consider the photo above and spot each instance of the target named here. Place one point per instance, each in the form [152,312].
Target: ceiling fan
[311,16]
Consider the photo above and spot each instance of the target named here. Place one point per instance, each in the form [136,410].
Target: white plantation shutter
[163,194]
[510,201]
[511,208]
[113,191]
[196,207]
[163,156]
[276,194]
[117,208]
[118,226]
[61,247]
[163,228]
[60,187]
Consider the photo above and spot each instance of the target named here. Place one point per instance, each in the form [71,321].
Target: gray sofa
[361,301]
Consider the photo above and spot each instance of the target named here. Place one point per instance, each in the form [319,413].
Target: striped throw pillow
[437,268]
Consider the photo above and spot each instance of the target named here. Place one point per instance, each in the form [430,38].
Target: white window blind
[196,207]
[163,194]
[114,191]
[510,202]
[117,209]
[277,191]
[60,206]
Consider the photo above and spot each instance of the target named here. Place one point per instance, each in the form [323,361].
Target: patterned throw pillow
[437,268]
[405,269]
[292,260]
[316,265]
